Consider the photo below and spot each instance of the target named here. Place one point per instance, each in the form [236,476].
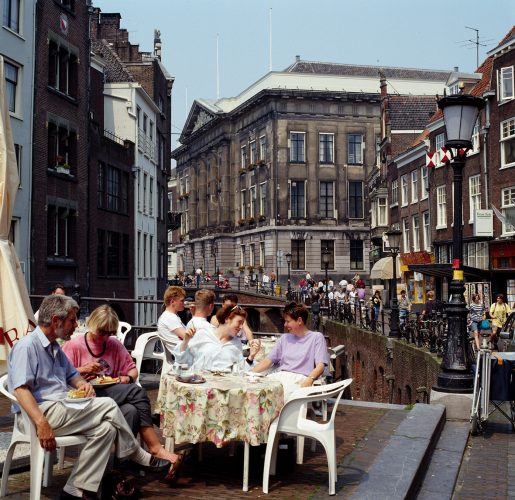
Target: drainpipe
[391,381]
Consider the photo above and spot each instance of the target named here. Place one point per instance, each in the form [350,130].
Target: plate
[190,379]
[97,385]
[77,400]
[221,371]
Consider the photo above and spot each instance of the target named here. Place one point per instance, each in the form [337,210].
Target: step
[399,469]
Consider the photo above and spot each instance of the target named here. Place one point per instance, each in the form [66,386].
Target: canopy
[15,310]
[383,269]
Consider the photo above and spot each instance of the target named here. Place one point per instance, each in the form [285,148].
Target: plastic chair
[40,460]
[145,349]
[123,329]
[292,420]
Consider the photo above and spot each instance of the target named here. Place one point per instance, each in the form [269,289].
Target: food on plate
[106,379]
[77,394]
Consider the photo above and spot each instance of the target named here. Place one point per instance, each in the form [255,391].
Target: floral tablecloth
[222,409]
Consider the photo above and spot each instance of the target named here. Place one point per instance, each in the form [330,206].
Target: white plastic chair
[145,349]
[123,329]
[292,420]
[40,460]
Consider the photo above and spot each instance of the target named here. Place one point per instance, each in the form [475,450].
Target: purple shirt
[299,354]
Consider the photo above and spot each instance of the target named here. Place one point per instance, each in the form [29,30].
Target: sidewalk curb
[399,469]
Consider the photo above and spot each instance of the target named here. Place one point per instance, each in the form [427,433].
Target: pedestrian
[404,307]
[376,306]
[198,276]
[273,279]
[499,312]
[477,313]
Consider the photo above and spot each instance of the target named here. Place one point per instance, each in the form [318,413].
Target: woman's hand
[255,347]
[308,382]
[91,368]
[125,379]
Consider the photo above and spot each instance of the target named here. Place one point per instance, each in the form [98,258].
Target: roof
[114,70]
[410,112]
[322,68]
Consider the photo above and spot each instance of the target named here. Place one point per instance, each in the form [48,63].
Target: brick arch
[409,395]
[398,398]
[382,386]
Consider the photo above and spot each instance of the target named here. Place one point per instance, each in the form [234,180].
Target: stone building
[282,169]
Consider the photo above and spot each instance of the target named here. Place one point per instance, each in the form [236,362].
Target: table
[224,408]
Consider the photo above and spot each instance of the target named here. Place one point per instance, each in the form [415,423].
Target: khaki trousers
[103,424]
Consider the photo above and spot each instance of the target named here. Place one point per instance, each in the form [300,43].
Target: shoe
[175,467]
[157,465]
[85,494]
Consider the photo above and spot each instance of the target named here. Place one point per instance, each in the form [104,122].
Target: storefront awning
[445,271]
[383,269]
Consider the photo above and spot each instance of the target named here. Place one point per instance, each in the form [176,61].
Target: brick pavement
[361,433]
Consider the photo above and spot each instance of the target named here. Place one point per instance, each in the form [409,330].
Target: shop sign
[422,257]
[483,222]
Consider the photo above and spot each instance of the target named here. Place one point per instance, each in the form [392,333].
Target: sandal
[175,467]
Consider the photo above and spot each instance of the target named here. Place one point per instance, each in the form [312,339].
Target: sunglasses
[237,308]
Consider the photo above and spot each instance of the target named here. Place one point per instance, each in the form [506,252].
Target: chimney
[297,58]
[157,44]
[456,69]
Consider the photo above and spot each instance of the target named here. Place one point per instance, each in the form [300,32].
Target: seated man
[170,328]
[39,369]
[301,355]
[215,348]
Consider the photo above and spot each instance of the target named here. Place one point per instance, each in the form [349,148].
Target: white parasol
[16,316]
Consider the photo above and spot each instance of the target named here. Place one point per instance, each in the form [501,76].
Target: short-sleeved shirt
[166,325]
[39,364]
[115,354]
[299,354]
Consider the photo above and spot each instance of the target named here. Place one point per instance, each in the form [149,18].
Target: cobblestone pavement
[361,432]
[488,465]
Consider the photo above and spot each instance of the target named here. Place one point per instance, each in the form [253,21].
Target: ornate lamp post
[326,256]
[394,242]
[460,113]
[214,252]
[288,261]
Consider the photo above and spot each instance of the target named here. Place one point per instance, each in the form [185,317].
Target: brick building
[60,177]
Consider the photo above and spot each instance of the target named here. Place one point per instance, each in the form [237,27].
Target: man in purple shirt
[300,355]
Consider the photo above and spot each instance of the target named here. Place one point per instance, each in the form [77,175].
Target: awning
[383,269]
[445,271]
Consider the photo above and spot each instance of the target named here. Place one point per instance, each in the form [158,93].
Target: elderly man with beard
[38,370]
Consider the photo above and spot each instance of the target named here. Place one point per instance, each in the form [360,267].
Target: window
[298,254]
[395,192]
[12,15]
[150,196]
[508,205]
[297,147]
[355,200]
[427,230]
[506,83]
[441,208]
[327,245]
[62,144]
[425,183]
[252,254]
[262,253]
[242,255]
[475,254]
[62,68]
[69,4]
[356,254]
[355,148]
[112,254]
[414,186]
[151,253]
[138,257]
[11,84]
[508,143]
[297,199]
[326,203]
[416,235]
[404,190]
[60,231]
[243,204]
[112,189]
[474,195]
[253,152]
[18,148]
[262,148]
[262,199]
[326,148]
[252,195]
[439,144]
[243,157]
[405,235]
[382,212]
[145,181]
[475,139]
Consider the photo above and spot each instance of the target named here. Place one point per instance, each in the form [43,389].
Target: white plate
[77,400]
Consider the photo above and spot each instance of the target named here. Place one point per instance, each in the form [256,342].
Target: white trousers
[291,382]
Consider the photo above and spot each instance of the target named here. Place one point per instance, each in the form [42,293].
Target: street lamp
[214,251]
[460,114]
[326,256]
[394,244]
[288,261]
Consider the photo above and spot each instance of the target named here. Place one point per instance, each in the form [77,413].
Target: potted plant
[241,269]
[63,168]
[229,272]
[243,170]
[250,220]
[260,269]
[261,217]
[251,269]
[242,222]
[261,163]
[251,167]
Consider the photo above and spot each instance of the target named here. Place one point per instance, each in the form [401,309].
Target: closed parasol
[16,316]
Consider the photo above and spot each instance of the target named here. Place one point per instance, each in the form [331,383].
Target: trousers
[103,424]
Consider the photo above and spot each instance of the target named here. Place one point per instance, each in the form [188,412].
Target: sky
[399,33]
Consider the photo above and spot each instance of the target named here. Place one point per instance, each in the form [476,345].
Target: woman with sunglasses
[99,352]
[218,348]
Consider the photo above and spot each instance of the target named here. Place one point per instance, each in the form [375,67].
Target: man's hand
[87,388]
[46,435]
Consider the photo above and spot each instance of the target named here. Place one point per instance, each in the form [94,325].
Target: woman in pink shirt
[99,352]
[301,354]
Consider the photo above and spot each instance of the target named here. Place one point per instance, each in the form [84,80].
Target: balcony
[173,221]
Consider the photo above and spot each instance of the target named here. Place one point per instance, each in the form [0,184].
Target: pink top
[115,354]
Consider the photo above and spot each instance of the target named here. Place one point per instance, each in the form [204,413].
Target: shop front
[502,262]
[416,283]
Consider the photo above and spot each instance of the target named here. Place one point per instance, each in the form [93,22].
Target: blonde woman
[499,312]
[99,352]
